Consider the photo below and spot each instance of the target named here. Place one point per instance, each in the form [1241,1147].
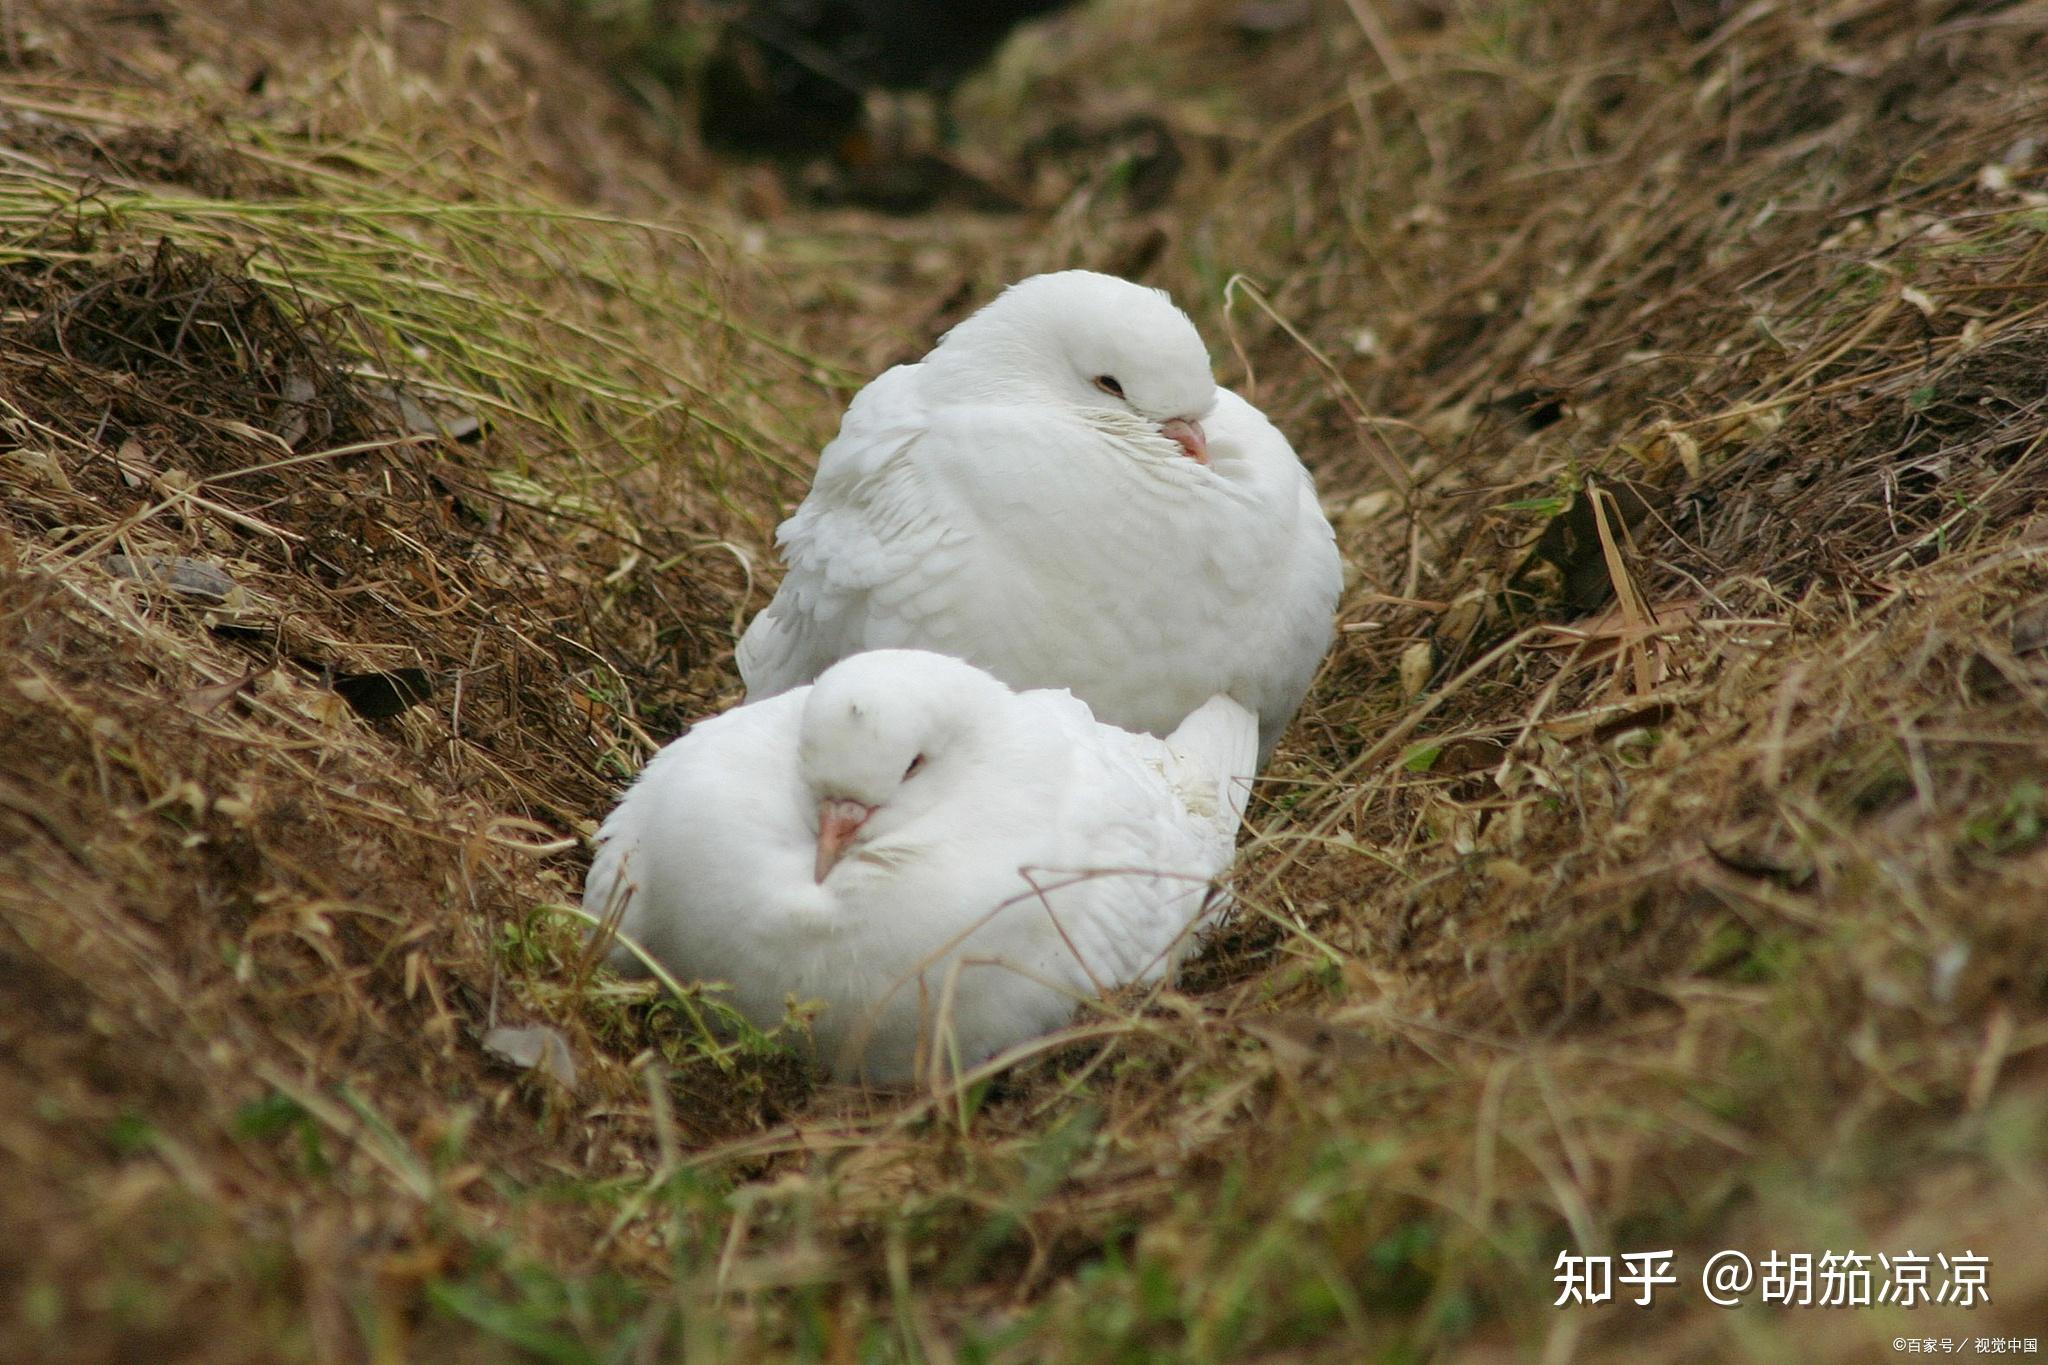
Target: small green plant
[2015,824]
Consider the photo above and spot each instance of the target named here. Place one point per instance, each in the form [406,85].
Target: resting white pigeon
[944,863]
[1061,494]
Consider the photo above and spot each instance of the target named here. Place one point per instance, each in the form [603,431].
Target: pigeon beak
[838,821]
[1187,433]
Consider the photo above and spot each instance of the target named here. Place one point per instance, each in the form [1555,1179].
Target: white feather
[1039,854]
[989,502]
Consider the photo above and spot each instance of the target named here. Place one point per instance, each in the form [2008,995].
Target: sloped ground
[1659,863]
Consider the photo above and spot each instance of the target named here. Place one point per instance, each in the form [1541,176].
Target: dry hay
[310,686]
[1658,862]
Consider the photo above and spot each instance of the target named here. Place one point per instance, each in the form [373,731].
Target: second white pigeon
[1061,494]
[945,865]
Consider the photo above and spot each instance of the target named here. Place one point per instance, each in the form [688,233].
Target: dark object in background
[375,696]
[792,76]
[1142,153]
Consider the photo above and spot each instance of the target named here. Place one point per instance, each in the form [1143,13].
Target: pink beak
[838,821]
[1188,435]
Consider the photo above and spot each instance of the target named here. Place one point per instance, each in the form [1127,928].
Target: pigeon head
[1122,355]
[882,735]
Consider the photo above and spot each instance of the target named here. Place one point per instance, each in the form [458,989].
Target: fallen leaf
[1300,1042]
[535,1047]
[208,699]
[179,573]
[294,413]
[1416,662]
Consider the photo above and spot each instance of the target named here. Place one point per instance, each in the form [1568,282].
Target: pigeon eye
[1107,383]
[915,764]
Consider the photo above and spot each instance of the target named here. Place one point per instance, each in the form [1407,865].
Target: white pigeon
[1061,494]
[945,864]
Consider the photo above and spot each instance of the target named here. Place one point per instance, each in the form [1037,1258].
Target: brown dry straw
[1657,863]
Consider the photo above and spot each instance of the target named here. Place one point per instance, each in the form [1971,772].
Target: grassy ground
[1659,862]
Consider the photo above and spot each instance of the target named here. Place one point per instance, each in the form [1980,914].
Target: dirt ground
[396,405]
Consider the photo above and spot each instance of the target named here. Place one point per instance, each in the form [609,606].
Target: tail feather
[1215,756]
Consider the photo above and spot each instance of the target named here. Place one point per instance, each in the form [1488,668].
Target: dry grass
[1659,862]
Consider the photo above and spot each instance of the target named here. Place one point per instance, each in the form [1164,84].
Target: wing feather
[869,522]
